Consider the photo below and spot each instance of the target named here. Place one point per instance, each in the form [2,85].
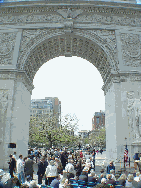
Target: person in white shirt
[137,177]
[112,172]
[51,172]
[20,169]
[70,169]
[129,181]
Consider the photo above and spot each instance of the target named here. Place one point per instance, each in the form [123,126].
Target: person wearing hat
[12,165]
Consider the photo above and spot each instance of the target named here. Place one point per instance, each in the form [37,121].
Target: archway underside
[67,45]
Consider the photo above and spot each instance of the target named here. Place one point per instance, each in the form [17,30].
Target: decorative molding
[94,7]
[131,49]
[98,47]
[118,78]
[7,76]
[7,43]
[123,15]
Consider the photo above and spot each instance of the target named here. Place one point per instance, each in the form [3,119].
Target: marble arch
[107,34]
[101,53]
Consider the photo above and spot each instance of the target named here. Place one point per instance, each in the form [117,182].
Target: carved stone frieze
[131,49]
[122,15]
[31,18]
[108,20]
[94,7]
[4,99]
[7,43]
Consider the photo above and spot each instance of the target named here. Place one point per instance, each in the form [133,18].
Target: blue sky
[76,82]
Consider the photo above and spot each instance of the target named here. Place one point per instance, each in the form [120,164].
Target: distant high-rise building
[51,106]
[98,120]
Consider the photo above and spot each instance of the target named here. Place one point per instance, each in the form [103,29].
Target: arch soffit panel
[34,42]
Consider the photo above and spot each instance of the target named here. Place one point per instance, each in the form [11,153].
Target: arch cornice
[121,77]
[102,13]
[102,42]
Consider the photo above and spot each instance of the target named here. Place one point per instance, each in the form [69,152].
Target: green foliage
[43,130]
[98,138]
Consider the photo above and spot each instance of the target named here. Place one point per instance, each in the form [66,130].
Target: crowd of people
[64,169]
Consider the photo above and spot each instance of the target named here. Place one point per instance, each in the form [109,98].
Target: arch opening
[77,84]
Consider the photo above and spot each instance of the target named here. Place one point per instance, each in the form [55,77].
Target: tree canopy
[43,130]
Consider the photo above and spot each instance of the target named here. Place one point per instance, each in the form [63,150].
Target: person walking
[41,170]
[20,169]
[12,165]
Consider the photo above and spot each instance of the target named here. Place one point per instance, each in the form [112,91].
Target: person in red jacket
[81,154]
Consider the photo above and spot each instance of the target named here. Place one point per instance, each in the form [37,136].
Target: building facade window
[97,120]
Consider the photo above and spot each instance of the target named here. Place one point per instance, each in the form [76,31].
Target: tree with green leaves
[98,138]
[43,130]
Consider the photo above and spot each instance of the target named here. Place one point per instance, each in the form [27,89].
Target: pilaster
[15,97]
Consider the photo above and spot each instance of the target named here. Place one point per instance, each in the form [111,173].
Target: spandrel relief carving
[131,49]
[7,42]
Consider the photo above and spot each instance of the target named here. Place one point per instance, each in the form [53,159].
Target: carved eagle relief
[68,13]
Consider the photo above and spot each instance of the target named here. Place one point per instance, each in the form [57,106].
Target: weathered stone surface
[107,34]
